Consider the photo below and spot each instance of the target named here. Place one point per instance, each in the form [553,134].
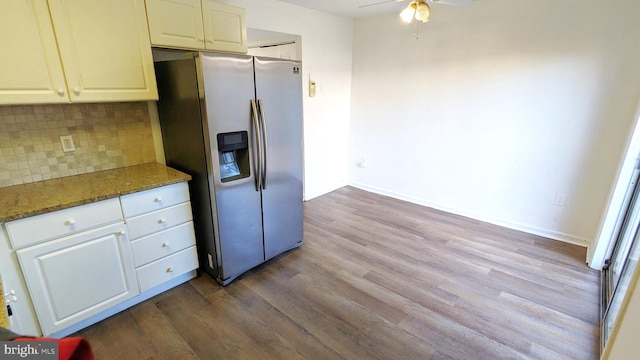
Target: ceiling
[351,8]
[348,8]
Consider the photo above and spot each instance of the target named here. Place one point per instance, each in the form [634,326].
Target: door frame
[616,209]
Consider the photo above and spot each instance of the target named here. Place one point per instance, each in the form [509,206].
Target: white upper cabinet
[176,23]
[224,27]
[103,47]
[197,24]
[30,67]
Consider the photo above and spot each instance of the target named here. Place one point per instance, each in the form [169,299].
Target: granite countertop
[20,201]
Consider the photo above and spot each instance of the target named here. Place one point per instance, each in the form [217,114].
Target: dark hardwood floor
[377,278]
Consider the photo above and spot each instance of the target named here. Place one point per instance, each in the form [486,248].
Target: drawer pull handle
[70,222]
[169,269]
[157,199]
[162,221]
[122,233]
[165,244]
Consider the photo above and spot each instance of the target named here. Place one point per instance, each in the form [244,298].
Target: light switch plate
[67,143]
[312,88]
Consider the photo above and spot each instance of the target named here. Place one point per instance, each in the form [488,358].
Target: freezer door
[279,91]
[228,86]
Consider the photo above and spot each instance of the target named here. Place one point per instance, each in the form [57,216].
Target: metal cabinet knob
[162,221]
[169,269]
[157,199]
[70,222]
[165,244]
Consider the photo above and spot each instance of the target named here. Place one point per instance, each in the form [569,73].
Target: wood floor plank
[377,278]
[461,315]
[318,320]
[306,343]
[544,296]
[160,334]
[119,330]
[564,327]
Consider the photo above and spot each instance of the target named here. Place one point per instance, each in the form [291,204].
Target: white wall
[326,56]
[498,107]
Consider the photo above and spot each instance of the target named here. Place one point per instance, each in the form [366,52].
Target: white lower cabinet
[163,243]
[76,277]
[88,262]
[159,220]
[167,268]
[162,237]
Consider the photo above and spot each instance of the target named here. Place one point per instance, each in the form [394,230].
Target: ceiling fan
[419,9]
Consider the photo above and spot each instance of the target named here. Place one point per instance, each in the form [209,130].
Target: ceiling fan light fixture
[409,12]
[423,11]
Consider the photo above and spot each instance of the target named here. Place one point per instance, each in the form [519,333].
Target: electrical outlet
[67,143]
[560,200]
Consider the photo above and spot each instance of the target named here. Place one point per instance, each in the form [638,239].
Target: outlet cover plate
[67,143]
[560,200]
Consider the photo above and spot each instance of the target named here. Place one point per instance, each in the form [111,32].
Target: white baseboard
[554,235]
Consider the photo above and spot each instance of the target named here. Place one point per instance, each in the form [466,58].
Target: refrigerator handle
[257,164]
[264,144]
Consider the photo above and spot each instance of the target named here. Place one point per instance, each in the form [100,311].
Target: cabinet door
[176,23]
[224,27]
[105,49]
[30,68]
[73,278]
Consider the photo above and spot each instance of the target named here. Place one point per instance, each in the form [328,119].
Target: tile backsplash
[106,136]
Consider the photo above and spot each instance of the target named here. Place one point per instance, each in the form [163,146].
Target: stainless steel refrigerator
[234,123]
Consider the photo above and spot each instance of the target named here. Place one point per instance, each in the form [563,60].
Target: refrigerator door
[279,96]
[228,86]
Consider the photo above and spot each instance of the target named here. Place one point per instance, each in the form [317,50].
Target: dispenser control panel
[233,155]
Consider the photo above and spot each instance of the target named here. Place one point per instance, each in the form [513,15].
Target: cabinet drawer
[61,223]
[154,199]
[167,242]
[164,219]
[167,268]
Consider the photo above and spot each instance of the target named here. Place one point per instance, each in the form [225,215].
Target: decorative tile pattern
[106,136]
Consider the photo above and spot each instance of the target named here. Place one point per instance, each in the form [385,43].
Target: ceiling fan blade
[459,3]
[380,3]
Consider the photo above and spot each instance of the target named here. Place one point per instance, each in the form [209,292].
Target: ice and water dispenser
[233,154]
